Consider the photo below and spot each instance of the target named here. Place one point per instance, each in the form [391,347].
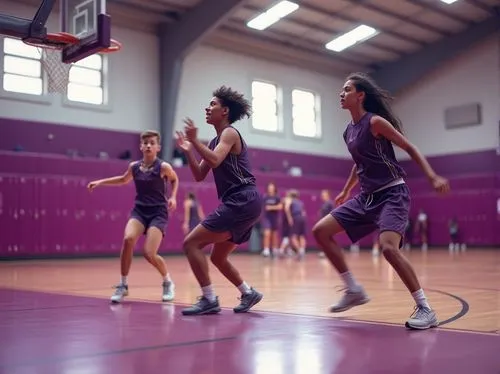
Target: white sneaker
[168,291]
[422,318]
[350,299]
[120,293]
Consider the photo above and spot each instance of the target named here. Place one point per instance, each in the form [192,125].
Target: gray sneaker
[168,291]
[203,306]
[120,293]
[422,318]
[350,299]
[248,300]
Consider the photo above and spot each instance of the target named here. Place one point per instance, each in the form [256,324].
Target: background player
[193,213]
[270,220]
[149,215]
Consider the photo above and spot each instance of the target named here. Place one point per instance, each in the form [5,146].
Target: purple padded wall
[43,212]
[90,142]
[458,164]
[34,137]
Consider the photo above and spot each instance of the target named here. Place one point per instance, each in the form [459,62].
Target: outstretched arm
[113,181]
[169,173]
[380,126]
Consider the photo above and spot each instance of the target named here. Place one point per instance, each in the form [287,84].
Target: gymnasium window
[86,80]
[22,69]
[305,114]
[265,106]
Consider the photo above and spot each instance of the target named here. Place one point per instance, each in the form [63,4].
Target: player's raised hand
[182,142]
[190,129]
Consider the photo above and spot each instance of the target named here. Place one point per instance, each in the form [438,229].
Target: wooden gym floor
[463,287]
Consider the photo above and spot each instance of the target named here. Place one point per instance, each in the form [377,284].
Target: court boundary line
[270,312]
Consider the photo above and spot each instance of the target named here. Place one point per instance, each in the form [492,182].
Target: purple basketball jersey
[150,186]
[194,217]
[374,157]
[271,201]
[296,208]
[234,172]
[326,208]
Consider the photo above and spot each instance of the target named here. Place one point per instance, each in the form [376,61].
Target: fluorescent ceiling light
[448,1]
[272,15]
[355,36]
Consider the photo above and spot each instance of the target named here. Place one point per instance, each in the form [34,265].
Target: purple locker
[4,217]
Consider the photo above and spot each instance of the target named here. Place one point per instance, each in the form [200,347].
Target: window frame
[42,98]
[105,85]
[279,109]
[317,111]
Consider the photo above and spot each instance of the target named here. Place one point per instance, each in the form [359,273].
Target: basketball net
[57,71]
[50,50]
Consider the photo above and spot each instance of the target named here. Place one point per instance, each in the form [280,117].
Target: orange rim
[61,40]
[114,47]
[55,41]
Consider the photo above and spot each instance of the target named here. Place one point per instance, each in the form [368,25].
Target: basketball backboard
[87,20]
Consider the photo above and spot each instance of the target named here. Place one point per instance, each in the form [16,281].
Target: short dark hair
[239,107]
[150,134]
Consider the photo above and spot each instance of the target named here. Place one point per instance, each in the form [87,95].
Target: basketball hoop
[50,49]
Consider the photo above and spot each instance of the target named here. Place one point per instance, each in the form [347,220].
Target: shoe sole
[119,301]
[412,327]
[165,299]
[361,302]
[255,302]
[208,311]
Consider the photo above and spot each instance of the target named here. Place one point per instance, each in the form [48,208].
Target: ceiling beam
[177,39]
[295,19]
[395,76]
[439,10]
[412,20]
[339,15]
[482,6]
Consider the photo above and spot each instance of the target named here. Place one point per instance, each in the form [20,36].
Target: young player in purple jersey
[241,205]
[296,217]
[384,201]
[193,213]
[270,220]
[150,213]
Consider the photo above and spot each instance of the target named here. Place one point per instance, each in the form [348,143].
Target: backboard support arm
[22,28]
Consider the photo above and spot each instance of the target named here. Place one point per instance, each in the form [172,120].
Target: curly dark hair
[376,100]
[239,107]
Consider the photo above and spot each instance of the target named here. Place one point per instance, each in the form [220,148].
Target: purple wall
[52,183]
[33,137]
[45,208]
[458,164]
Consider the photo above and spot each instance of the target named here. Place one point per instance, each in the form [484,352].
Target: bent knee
[216,259]
[321,231]
[149,255]
[389,248]
[129,241]
[190,244]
